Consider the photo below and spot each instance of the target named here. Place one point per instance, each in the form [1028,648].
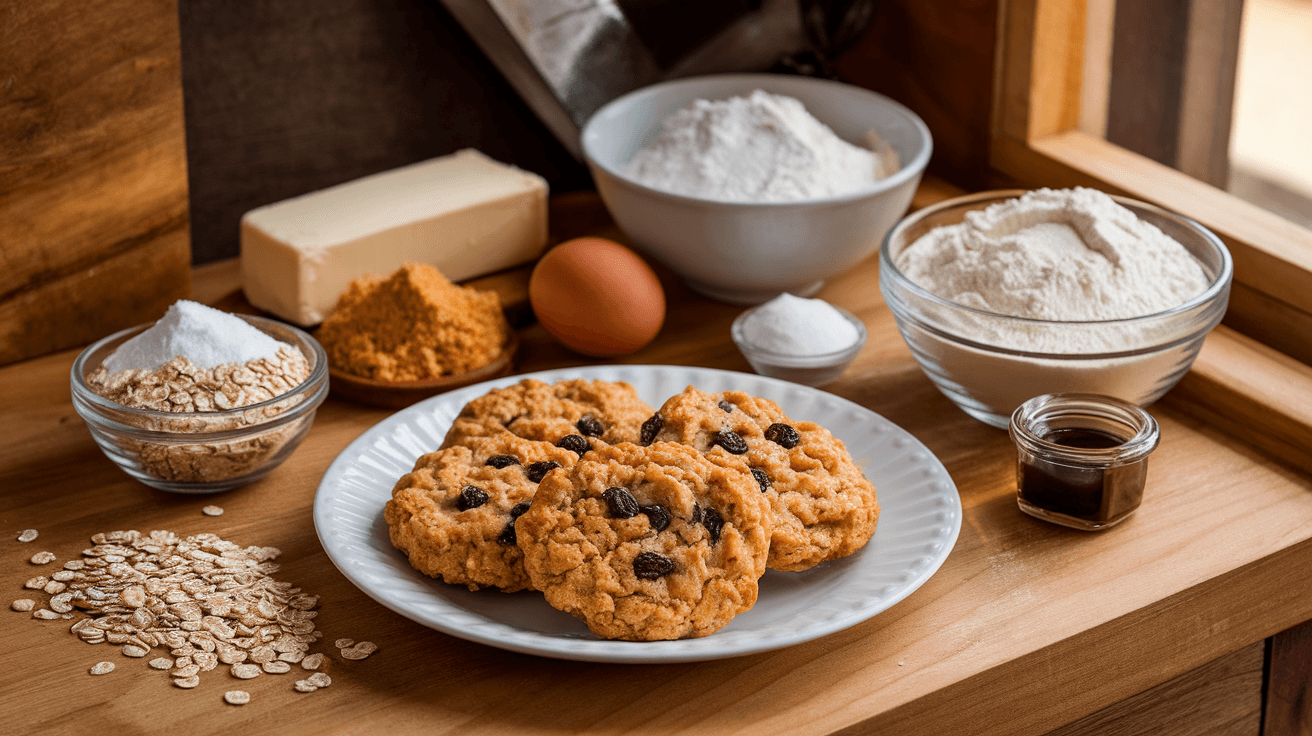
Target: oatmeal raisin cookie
[648,543]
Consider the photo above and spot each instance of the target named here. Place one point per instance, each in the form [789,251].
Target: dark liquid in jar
[1091,494]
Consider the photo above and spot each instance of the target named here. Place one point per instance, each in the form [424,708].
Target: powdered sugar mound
[1064,255]
[204,335]
[760,148]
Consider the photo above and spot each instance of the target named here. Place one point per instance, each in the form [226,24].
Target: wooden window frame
[1036,140]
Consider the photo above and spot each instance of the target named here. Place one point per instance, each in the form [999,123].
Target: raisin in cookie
[579,409]
[454,513]
[648,543]
[823,506]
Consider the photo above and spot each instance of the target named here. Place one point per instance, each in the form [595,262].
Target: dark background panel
[670,29]
[284,97]
[935,57]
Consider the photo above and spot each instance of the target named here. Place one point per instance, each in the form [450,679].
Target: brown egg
[597,297]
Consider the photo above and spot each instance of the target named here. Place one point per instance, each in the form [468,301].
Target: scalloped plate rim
[598,650]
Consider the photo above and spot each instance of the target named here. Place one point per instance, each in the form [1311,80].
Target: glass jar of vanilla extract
[1081,459]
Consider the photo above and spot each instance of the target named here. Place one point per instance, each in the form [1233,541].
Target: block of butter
[464,213]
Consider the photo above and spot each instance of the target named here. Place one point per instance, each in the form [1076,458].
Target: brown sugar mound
[412,326]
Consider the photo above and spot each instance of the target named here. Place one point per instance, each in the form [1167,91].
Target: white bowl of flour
[1003,297]
[749,199]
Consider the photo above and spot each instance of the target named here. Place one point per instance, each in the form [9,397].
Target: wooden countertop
[1026,627]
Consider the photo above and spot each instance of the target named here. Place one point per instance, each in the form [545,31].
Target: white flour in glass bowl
[1064,290]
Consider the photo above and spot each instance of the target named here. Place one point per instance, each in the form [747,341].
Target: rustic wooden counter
[1026,628]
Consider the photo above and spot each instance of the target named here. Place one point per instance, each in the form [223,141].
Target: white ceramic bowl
[749,253]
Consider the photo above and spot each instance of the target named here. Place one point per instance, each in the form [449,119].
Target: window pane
[1271,137]
[1218,89]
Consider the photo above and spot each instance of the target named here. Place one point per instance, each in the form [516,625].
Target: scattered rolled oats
[62,603]
[367,647]
[263,654]
[232,655]
[356,653]
[319,679]
[312,661]
[276,667]
[245,671]
[213,510]
[27,535]
[304,686]
[102,668]
[43,558]
[344,643]
[237,697]
[204,599]
[187,683]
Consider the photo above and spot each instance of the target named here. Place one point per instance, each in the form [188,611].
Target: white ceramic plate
[918,524]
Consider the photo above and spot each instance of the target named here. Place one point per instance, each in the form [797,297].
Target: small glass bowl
[985,363]
[810,370]
[201,452]
[1081,459]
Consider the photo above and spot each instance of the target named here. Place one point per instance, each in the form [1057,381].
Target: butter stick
[464,213]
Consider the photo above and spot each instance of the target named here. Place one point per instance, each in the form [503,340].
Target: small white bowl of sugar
[807,341]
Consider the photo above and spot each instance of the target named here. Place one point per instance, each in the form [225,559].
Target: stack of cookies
[647,525]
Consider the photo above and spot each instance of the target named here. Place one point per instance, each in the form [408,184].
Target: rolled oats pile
[207,601]
[181,386]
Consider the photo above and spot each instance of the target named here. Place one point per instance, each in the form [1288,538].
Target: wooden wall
[936,57]
[93,170]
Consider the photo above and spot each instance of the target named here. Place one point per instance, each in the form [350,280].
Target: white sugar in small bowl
[747,253]
[201,452]
[810,370]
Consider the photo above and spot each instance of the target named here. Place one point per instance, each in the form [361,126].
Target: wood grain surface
[1252,391]
[1221,698]
[93,171]
[1026,627]
[1289,693]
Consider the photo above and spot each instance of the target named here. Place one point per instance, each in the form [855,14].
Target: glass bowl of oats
[187,428]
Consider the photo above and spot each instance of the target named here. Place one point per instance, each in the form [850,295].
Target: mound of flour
[759,148]
[1068,255]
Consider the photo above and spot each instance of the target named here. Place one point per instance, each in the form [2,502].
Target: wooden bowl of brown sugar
[399,394]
